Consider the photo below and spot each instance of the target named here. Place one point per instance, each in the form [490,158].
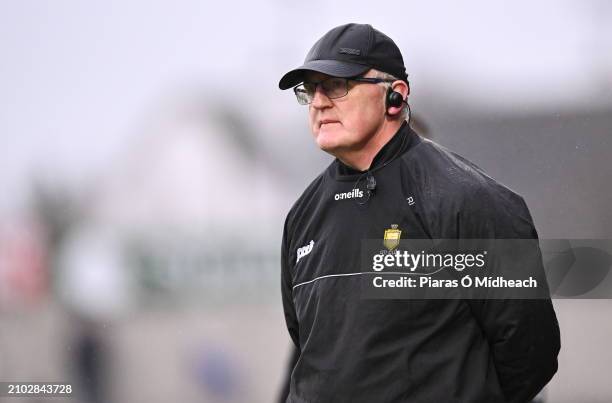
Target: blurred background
[148,160]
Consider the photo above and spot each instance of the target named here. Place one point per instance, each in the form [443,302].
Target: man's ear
[403,88]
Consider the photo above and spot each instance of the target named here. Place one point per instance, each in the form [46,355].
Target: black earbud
[394,98]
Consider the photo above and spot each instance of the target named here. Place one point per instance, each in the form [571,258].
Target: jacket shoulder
[443,172]
[454,189]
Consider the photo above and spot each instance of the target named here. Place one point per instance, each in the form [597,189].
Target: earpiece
[394,98]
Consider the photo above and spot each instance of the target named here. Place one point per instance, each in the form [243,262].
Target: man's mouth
[327,121]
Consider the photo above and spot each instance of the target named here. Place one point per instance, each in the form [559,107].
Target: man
[354,349]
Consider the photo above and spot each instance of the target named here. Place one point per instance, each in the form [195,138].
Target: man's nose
[320,99]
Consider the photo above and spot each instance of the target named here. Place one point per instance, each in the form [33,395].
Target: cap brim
[330,67]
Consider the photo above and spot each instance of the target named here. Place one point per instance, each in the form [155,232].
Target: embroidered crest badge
[392,237]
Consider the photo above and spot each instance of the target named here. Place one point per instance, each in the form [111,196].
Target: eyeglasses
[333,87]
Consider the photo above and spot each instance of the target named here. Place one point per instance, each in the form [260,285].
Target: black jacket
[350,349]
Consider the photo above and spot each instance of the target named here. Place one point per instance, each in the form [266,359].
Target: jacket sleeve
[289,311]
[523,334]
[285,385]
[287,289]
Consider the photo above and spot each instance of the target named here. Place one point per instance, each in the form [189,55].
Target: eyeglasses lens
[333,87]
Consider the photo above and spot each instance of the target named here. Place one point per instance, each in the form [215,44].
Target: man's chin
[327,146]
[327,141]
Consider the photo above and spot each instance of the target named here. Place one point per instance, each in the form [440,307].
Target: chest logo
[304,250]
[355,193]
[392,237]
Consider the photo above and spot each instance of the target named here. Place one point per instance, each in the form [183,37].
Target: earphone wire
[397,153]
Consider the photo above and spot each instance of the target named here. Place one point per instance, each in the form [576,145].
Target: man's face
[346,123]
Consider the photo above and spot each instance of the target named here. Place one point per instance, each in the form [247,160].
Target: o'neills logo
[349,195]
[304,250]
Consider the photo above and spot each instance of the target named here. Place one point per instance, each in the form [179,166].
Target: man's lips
[327,121]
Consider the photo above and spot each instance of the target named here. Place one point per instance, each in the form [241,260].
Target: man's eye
[310,88]
[336,83]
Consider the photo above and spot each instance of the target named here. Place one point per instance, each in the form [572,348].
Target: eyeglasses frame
[369,80]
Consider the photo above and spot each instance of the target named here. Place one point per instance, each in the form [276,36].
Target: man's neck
[361,159]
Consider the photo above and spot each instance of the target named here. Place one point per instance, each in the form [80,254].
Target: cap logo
[350,51]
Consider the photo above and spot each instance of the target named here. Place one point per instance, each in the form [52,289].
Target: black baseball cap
[349,51]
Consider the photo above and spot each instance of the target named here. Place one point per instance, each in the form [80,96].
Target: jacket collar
[404,139]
